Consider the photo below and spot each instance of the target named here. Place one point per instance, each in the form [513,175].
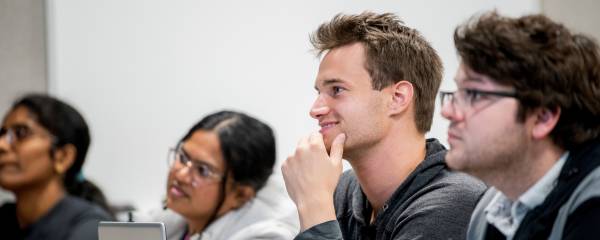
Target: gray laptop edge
[131,231]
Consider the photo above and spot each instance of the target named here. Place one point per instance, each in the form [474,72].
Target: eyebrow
[18,125]
[329,82]
[469,76]
[470,79]
[185,153]
[198,161]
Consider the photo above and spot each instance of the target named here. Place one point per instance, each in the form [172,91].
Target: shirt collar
[506,215]
[536,194]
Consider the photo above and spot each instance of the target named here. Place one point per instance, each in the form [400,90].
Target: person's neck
[515,180]
[196,224]
[33,203]
[382,168]
[195,227]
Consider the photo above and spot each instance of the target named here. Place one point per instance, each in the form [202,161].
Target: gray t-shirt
[432,203]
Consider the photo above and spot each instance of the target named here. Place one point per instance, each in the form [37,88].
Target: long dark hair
[68,127]
[248,148]
[247,145]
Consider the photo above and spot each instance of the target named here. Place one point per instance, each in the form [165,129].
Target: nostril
[314,114]
[317,112]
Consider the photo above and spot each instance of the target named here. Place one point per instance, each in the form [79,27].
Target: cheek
[29,165]
[487,133]
[204,199]
[34,150]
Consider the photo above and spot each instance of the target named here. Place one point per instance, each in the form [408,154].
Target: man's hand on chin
[311,176]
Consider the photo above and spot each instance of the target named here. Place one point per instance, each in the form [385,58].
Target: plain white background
[143,71]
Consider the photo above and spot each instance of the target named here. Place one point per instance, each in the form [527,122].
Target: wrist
[315,211]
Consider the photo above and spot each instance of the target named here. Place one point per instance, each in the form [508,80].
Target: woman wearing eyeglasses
[216,172]
[43,144]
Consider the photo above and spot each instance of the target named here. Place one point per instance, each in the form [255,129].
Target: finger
[316,139]
[302,142]
[284,165]
[337,148]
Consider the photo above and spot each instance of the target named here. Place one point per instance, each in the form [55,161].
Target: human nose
[5,142]
[319,108]
[183,173]
[450,110]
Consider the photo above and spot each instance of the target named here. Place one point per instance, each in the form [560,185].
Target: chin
[176,207]
[454,161]
[8,184]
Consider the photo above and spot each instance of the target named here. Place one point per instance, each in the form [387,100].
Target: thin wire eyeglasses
[199,170]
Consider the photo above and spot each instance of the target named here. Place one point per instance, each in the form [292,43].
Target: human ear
[241,194]
[64,157]
[402,95]
[545,121]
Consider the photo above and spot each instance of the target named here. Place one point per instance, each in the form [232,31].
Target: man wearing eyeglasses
[526,120]
[376,90]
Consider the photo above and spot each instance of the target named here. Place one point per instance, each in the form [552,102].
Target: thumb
[337,147]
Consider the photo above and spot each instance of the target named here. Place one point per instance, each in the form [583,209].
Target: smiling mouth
[326,126]
[177,192]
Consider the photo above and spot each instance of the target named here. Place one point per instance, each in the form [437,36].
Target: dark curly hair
[549,67]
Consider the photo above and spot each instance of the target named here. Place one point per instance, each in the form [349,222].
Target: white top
[271,215]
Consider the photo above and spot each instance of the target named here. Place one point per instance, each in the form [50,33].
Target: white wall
[578,15]
[22,49]
[22,54]
[143,71]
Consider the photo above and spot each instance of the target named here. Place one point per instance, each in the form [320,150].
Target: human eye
[21,131]
[336,90]
[182,157]
[472,95]
[204,170]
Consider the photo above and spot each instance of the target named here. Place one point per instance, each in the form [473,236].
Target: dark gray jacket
[432,203]
[570,211]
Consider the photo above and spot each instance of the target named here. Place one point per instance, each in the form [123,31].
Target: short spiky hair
[548,66]
[394,52]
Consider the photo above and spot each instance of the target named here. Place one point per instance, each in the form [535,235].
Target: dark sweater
[70,218]
[432,203]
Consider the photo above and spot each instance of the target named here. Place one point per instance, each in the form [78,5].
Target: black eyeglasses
[467,97]
[199,170]
[19,133]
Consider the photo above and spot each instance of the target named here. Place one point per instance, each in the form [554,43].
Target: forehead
[204,146]
[344,64]
[19,115]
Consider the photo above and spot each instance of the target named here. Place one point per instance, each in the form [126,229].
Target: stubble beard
[495,164]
